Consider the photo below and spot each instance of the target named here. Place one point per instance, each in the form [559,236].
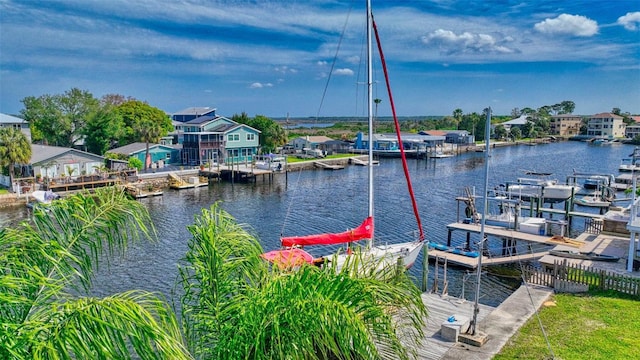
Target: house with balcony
[606,126]
[565,125]
[16,123]
[217,139]
[631,131]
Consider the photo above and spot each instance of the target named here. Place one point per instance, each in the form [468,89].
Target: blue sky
[274,57]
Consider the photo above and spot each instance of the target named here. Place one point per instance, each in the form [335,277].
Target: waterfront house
[517,122]
[16,123]
[191,113]
[631,131]
[217,139]
[309,142]
[565,125]
[389,142]
[459,137]
[54,161]
[606,125]
[336,146]
[160,155]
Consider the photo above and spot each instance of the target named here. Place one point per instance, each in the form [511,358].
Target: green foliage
[14,149]
[142,122]
[135,163]
[237,307]
[48,260]
[500,132]
[104,128]
[515,133]
[272,135]
[59,119]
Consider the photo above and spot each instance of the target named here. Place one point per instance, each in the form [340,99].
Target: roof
[635,118]
[315,139]
[137,147]
[605,115]
[433,132]
[8,119]
[202,120]
[42,153]
[203,110]
[517,121]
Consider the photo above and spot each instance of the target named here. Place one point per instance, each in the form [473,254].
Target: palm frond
[223,262]
[114,327]
[234,309]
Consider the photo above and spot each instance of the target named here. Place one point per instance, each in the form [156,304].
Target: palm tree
[457,114]
[45,262]
[14,149]
[237,307]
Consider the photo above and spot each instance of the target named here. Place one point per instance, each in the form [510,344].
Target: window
[251,137]
[233,137]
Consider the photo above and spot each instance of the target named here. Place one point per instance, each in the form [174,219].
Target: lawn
[3,191]
[294,159]
[598,325]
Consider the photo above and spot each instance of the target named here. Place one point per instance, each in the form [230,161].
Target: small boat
[42,197]
[592,201]
[453,250]
[572,254]
[440,155]
[362,237]
[548,190]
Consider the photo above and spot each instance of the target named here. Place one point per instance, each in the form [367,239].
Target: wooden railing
[568,277]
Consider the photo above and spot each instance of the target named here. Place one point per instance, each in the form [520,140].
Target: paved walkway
[502,323]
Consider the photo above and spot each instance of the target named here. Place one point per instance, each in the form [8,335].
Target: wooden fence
[565,277]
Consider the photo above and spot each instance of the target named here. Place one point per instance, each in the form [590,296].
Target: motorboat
[549,191]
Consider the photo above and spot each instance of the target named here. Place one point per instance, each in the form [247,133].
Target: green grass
[294,159]
[3,191]
[599,325]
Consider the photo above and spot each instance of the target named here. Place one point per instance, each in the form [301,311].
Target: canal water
[307,202]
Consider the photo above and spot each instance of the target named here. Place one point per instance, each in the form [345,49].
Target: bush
[135,163]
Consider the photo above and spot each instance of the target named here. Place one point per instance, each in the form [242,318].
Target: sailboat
[405,253]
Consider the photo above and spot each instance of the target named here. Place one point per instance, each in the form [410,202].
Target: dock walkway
[472,262]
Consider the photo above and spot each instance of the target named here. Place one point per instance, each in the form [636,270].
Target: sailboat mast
[487,133]
[370,108]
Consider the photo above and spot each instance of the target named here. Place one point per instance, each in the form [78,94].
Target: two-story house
[565,125]
[16,123]
[214,138]
[606,125]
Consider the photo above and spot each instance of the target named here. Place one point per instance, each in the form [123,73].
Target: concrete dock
[499,323]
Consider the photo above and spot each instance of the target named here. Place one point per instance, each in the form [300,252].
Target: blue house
[160,155]
[214,138]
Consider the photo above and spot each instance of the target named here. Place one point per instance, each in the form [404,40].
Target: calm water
[331,201]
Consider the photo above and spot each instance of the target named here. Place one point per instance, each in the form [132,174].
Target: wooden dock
[504,233]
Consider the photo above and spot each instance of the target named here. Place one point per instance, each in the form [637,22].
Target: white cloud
[452,43]
[321,63]
[630,21]
[576,25]
[285,69]
[257,85]
[345,72]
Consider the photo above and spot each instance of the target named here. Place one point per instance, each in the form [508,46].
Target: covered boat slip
[501,232]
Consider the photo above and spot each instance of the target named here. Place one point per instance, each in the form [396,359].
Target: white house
[16,123]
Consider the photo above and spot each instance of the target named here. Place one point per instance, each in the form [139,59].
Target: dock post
[468,241]
[425,267]
[435,276]
[448,237]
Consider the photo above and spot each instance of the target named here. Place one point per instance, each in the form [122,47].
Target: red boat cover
[288,257]
[364,231]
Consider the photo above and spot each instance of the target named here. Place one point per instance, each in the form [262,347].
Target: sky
[306,58]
